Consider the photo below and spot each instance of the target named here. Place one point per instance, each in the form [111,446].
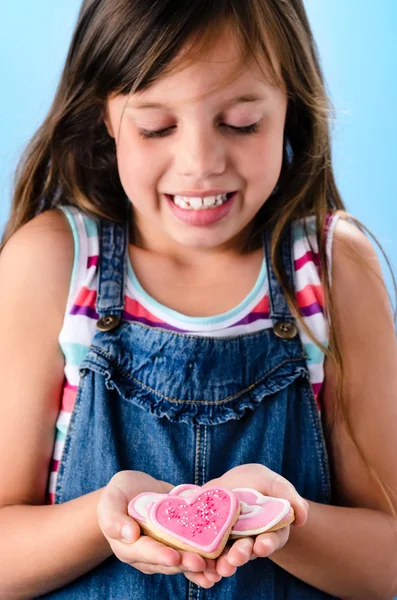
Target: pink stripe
[317,388]
[86,297]
[51,498]
[136,311]
[68,399]
[69,386]
[306,258]
[311,294]
[54,466]
[92,261]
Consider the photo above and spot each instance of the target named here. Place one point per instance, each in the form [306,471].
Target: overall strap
[283,320]
[112,271]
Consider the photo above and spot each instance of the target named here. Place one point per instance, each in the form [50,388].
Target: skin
[348,550]
[199,152]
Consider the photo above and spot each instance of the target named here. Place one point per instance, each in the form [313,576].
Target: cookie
[137,508]
[260,514]
[200,522]
[257,514]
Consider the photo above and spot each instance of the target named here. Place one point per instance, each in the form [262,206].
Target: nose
[200,154]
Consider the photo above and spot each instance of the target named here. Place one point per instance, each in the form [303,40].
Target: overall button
[285,330]
[108,323]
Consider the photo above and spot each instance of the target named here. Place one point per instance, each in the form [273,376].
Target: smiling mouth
[201,203]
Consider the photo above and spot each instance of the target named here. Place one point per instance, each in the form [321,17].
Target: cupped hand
[124,534]
[269,483]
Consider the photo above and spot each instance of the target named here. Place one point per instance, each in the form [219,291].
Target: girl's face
[190,141]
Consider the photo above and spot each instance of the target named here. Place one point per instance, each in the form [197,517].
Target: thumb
[113,517]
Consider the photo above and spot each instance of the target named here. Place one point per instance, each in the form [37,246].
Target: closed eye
[246,130]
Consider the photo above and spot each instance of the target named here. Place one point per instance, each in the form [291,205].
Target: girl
[168,318]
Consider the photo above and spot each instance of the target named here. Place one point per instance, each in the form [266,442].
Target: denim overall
[186,409]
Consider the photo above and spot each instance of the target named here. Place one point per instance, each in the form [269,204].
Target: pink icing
[199,520]
[248,496]
[138,506]
[259,513]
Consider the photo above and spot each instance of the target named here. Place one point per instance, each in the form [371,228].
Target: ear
[107,121]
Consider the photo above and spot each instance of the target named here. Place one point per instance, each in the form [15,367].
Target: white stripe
[64,418]
[52,485]
[238,329]
[78,329]
[58,448]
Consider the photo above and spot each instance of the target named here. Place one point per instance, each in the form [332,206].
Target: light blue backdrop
[358,49]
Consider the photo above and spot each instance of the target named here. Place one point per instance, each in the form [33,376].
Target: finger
[267,543]
[240,552]
[192,562]
[212,576]
[148,569]
[210,571]
[150,551]
[199,579]
[113,518]
[210,564]
[223,567]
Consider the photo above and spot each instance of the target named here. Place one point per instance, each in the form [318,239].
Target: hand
[124,535]
[244,549]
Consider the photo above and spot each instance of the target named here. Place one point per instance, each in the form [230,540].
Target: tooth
[195,202]
[180,202]
[209,200]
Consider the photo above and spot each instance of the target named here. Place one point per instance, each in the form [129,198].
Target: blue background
[358,50]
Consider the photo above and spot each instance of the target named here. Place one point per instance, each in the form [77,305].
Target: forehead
[214,71]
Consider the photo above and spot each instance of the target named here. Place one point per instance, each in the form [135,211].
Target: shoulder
[38,260]
[357,280]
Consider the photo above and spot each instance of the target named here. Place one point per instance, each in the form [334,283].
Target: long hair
[122,46]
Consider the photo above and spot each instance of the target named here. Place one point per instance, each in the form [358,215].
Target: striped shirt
[251,315]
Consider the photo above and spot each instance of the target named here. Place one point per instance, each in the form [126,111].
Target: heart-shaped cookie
[260,513]
[137,506]
[200,522]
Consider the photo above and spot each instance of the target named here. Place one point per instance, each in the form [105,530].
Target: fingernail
[127,533]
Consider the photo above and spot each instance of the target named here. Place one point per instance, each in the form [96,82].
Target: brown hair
[122,46]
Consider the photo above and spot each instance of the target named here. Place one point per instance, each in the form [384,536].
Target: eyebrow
[247,98]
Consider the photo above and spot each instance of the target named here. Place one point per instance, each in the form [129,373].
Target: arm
[41,547]
[351,550]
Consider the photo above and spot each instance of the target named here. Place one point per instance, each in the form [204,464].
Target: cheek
[138,165]
[260,163]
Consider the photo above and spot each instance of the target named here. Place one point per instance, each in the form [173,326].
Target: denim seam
[205,402]
[204,457]
[193,591]
[197,458]
[63,463]
[320,442]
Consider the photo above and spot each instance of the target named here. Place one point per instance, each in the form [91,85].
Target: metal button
[108,323]
[285,330]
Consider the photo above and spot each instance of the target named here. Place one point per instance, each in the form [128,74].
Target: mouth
[203,203]
[202,211]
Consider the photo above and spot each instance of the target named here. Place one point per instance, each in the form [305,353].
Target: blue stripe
[74,353]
